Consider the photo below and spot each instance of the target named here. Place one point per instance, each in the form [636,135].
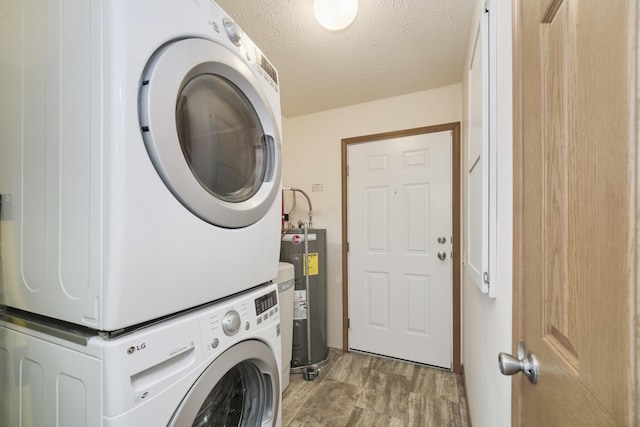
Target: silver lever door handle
[525,363]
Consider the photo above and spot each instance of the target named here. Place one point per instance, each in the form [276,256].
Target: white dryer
[218,365]
[140,159]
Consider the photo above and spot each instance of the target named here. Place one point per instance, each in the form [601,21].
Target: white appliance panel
[88,229]
[140,378]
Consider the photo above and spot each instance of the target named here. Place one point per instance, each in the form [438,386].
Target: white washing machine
[218,365]
[140,159]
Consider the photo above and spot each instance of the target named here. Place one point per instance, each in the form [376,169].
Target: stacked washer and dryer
[140,164]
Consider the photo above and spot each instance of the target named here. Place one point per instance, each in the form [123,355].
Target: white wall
[487,322]
[312,150]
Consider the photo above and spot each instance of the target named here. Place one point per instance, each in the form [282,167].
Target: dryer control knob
[232,31]
[231,323]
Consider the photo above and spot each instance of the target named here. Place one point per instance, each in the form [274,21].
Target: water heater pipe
[308,291]
[308,202]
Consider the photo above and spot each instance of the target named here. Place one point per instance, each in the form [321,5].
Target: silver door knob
[442,255]
[525,363]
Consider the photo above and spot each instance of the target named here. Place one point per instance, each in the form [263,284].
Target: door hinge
[347,246]
[486,277]
[348,323]
[487,6]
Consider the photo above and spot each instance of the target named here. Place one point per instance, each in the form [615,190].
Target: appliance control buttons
[215,343]
[232,31]
[247,326]
[231,323]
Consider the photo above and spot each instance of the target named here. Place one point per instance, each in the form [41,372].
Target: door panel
[576,215]
[399,204]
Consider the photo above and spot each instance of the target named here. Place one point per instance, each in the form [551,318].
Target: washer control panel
[266,306]
[231,323]
[227,322]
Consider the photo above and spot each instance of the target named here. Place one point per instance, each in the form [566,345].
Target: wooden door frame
[455,214]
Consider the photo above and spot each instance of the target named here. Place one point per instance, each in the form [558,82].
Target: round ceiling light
[335,14]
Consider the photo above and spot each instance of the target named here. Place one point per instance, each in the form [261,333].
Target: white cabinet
[481,158]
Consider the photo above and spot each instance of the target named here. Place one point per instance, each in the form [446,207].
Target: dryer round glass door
[210,132]
[240,388]
[221,138]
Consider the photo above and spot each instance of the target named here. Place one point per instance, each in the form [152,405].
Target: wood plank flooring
[355,389]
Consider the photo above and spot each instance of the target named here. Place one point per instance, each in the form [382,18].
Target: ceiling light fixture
[335,14]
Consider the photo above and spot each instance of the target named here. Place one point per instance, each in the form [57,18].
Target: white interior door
[399,220]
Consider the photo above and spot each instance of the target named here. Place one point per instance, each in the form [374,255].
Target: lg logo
[135,348]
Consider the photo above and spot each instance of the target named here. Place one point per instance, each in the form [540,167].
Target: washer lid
[210,132]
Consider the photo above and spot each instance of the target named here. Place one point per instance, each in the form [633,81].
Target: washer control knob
[231,323]
[232,31]
[215,343]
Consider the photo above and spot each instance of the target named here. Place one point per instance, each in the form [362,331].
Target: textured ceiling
[393,47]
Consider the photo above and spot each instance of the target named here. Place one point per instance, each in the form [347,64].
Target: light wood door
[400,230]
[575,214]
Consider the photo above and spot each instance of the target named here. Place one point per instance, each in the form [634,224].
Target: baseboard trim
[466,395]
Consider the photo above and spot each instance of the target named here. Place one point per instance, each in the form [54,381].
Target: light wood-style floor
[355,389]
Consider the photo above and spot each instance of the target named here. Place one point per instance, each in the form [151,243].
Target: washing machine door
[240,388]
[210,132]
